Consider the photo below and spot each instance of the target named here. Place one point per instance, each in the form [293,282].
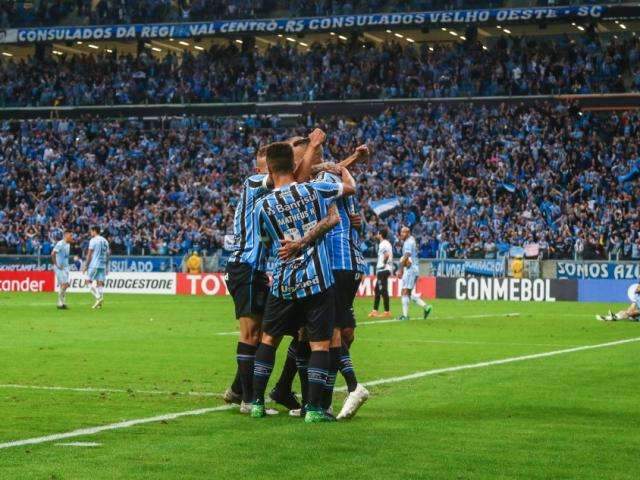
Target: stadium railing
[607,101]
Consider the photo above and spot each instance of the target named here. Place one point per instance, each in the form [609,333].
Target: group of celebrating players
[301,213]
[298,212]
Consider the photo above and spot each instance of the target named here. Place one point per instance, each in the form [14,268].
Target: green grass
[568,416]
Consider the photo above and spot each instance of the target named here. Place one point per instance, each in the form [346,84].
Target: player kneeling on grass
[60,261]
[632,313]
[95,268]
[410,272]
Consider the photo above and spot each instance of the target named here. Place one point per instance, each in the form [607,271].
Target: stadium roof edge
[301,25]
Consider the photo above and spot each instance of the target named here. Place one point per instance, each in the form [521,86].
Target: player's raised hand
[317,137]
[289,249]
[362,151]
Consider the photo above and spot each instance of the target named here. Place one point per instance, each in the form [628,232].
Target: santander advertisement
[26,281]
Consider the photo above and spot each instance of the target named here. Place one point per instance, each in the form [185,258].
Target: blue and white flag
[385,205]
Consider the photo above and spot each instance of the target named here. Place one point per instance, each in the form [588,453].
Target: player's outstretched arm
[348,182]
[292,248]
[361,153]
[302,172]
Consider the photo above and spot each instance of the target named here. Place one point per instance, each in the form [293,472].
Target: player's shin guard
[263,366]
[334,364]
[289,369]
[346,368]
[245,356]
[302,362]
[317,374]
[94,291]
[100,292]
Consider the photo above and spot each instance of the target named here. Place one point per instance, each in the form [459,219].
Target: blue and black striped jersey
[289,213]
[343,239]
[247,247]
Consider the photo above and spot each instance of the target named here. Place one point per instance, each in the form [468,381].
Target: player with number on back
[410,272]
[348,266]
[248,283]
[302,292]
[96,267]
[60,261]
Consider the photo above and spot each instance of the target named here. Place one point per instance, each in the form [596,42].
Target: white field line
[395,320]
[490,363]
[110,390]
[202,411]
[79,444]
[112,426]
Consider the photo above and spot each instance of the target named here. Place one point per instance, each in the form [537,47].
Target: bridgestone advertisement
[129,282]
[513,289]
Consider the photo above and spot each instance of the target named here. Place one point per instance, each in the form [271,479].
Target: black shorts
[248,288]
[316,313]
[347,283]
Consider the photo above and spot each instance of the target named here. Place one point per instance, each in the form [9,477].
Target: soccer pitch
[507,412]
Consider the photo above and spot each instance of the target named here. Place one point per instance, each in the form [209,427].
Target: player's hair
[280,157]
[384,233]
[94,228]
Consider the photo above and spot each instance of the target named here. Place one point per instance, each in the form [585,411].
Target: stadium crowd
[339,70]
[90,12]
[471,181]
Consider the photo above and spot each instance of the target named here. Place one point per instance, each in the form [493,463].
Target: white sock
[63,296]
[416,298]
[405,305]
[60,298]
[100,292]
[622,315]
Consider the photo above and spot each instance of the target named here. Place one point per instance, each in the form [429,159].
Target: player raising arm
[302,292]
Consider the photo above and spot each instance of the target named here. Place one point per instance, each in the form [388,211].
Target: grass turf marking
[110,390]
[172,416]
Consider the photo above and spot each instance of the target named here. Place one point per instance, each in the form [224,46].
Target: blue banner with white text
[301,25]
[463,268]
[598,270]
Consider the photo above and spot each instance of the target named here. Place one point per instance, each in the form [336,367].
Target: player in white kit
[60,261]
[410,272]
[384,268]
[96,266]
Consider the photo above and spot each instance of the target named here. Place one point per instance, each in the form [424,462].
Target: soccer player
[302,292]
[248,284]
[96,266]
[384,268]
[348,267]
[60,261]
[631,314]
[410,267]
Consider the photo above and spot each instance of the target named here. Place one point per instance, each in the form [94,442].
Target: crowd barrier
[429,287]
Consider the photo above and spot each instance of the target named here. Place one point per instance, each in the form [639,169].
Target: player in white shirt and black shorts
[384,269]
